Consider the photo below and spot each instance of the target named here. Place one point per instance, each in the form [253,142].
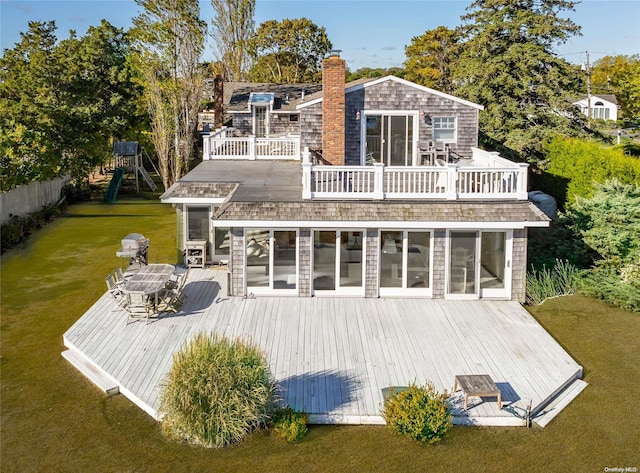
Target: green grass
[53,420]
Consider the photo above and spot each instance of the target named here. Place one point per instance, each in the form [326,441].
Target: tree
[619,75]
[232,29]
[431,58]
[288,52]
[508,65]
[368,73]
[63,103]
[169,42]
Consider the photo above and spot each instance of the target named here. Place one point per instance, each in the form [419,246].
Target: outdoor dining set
[149,291]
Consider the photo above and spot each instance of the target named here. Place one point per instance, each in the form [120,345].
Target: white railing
[222,145]
[497,180]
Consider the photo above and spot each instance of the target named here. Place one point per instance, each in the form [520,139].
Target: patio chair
[115,291]
[177,284]
[119,276]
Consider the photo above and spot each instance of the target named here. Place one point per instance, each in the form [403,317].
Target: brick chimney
[218,101]
[333,108]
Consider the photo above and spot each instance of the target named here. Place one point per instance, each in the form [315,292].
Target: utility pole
[588,70]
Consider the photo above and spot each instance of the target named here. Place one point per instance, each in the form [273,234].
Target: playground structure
[128,158]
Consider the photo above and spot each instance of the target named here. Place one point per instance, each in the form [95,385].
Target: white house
[603,107]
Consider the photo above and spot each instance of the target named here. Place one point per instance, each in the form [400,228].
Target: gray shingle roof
[393,211]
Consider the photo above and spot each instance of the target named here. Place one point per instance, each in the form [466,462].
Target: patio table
[149,281]
[477,385]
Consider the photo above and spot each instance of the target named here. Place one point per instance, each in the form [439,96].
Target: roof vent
[334,52]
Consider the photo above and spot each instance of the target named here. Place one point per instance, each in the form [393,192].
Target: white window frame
[438,120]
[403,113]
[403,290]
[262,290]
[340,290]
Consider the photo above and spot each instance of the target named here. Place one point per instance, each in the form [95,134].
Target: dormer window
[260,105]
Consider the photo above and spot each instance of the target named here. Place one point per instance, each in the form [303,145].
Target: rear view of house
[370,189]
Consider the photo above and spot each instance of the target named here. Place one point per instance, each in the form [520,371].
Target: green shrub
[574,165]
[290,425]
[217,392]
[419,412]
[622,290]
[546,283]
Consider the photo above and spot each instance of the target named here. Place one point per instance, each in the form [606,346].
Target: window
[405,261]
[271,260]
[444,129]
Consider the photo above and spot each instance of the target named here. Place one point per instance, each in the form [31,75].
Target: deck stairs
[147,178]
[97,376]
[563,399]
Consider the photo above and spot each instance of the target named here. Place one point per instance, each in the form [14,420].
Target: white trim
[395,113]
[339,291]
[404,289]
[333,224]
[195,200]
[364,85]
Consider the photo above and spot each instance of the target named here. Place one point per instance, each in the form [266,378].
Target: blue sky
[371,33]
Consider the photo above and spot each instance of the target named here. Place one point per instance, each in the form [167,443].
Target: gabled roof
[607,97]
[364,83]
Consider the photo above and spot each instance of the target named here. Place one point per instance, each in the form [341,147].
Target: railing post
[306,154]
[306,178]
[206,147]
[252,147]
[521,182]
[378,181]
[451,192]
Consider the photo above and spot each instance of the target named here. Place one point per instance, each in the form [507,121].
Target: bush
[622,290]
[290,425]
[420,412]
[217,392]
[580,163]
[546,283]
[17,229]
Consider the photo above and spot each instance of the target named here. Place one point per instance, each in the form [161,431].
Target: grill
[134,247]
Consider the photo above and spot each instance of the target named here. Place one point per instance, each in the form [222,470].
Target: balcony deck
[333,356]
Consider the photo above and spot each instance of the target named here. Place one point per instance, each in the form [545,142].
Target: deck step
[98,377]
[560,402]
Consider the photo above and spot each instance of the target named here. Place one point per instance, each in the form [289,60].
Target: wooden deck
[332,356]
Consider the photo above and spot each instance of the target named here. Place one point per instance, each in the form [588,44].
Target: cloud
[389,48]
[78,19]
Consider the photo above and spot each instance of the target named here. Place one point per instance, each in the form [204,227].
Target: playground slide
[114,185]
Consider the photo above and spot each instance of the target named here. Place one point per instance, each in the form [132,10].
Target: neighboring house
[603,107]
[374,188]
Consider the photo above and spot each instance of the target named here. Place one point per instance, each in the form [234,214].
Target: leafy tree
[232,29]
[169,42]
[367,72]
[28,98]
[289,51]
[509,66]
[620,75]
[431,58]
[63,103]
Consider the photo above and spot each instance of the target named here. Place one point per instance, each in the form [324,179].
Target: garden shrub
[580,163]
[545,283]
[419,412]
[217,392]
[290,425]
[622,290]
[18,228]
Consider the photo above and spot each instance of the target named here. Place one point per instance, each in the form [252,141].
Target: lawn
[53,419]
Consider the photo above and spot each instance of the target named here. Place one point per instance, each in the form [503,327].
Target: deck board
[332,356]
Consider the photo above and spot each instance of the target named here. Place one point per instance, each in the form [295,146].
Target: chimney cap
[334,52]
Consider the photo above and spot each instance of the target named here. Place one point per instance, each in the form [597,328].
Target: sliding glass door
[479,264]
[337,262]
[390,138]
[271,261]
[405,262]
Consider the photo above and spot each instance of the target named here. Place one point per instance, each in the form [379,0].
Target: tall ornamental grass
[546,283]
[217,392]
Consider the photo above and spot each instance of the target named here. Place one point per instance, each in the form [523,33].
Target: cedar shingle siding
[390,96]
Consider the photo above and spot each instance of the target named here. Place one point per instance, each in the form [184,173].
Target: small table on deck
[149,281]
[477,385]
